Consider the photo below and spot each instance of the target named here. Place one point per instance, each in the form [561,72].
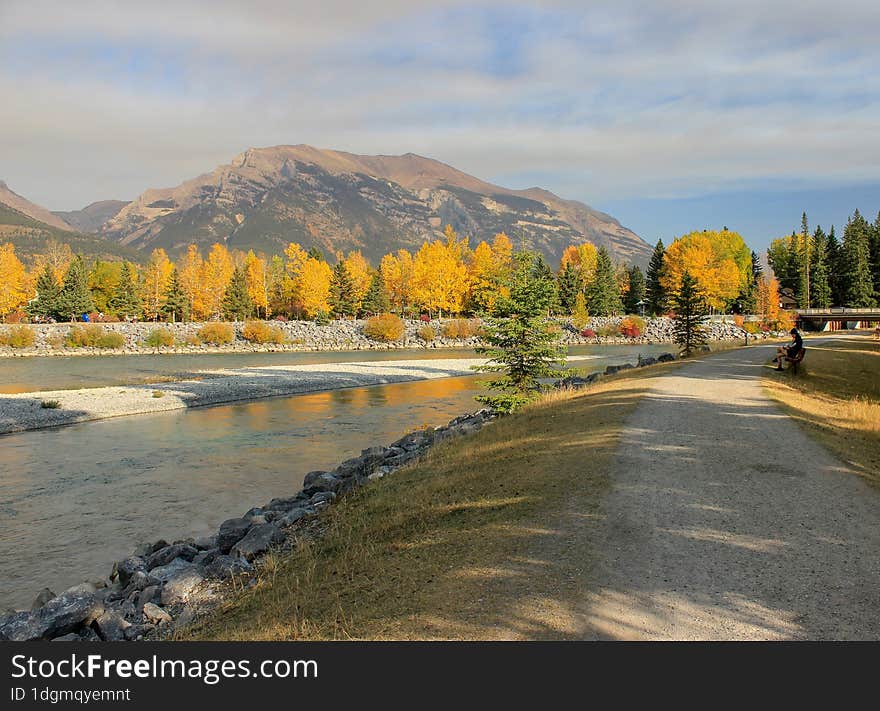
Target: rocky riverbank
[335,336]
[163,586]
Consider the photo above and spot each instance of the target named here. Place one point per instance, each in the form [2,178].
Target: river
[73,499]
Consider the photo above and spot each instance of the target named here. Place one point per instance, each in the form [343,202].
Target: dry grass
[450,548]
[836,396]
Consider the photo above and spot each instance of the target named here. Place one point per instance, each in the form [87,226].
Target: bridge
[838,318]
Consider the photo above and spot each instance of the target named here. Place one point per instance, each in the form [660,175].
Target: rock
[126,568]
[159,545]
[69,637]
[231,532]
[205,542]
[665,358]
[139,581]
[258,520]
[309,478]
[180,587]
[292,517]
[57,617]
[646,361]
[111,627]
[156,615]
[165,555]
[83,588]
[286,504]
[257,541]
[325,482]
[145,596]
[135,632]
[175,567]
[225,566]
[41,599]
[612,369]
[205,557]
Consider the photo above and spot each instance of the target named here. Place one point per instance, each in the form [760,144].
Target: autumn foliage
[384,327]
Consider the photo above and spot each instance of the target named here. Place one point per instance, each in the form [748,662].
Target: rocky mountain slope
[26,207]
[336,201]
[92,217]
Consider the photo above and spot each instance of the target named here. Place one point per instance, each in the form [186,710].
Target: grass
[50,404]
[836,397]
[482,540]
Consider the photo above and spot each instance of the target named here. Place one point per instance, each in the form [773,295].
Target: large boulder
[111,626]
[124,569]
[225,566]
[41,599]
[231,532]
[180,587]
[165,555]
[65,613]
[257,541]
[155,614]
[175,567]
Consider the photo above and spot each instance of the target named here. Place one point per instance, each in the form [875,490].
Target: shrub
[18,337]
[17,316]
[425,318]
[262,332]
[159,337]
[588,333]
[322,318]
[751,327]
[739,320]
[280,317]
[384,327]
[216,334]
[94,336]
[631,326]
[192,340]
[460,328]
[56,341]
[427,333]
[50,404]
[607,330]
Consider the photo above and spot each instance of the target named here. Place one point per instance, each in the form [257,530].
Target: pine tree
[237,304]
[690,315]
[46,305]
[836,268]
[820,288]
[635,297]
[803,262]
[376,300]
[542,272]
[568,287]
[859,289]
[656,294]
[603,294]
[75,298]
[342,298]
[874,249]
[176,305]
[748,298]
[125,301]
[522,345]
[315,253]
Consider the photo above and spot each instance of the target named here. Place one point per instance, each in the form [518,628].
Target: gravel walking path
[726,521]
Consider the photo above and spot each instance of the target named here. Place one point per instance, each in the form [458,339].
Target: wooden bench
[796,361]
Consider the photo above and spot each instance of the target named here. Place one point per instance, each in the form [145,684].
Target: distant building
[787,300]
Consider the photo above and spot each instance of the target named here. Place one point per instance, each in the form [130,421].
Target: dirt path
[726,521]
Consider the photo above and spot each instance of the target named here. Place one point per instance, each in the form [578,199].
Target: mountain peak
[32,210]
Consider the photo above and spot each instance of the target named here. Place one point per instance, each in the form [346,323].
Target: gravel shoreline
[25,411]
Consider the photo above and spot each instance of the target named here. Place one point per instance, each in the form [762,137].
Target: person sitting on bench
[789,351]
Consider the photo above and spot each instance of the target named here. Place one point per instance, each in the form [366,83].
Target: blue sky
[671,116]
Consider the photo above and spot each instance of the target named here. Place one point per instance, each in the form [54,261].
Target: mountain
[92,217]
[26,207]
[337,201]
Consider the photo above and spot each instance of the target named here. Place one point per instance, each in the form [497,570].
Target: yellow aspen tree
[257,278]
[440,277]
[13,280]
[216,273]
[483,279]
[189,271]
[361,274]
[295,257]
[154,283]
[314,286]
[397,270]
[583,257]
[711,259]
[58,255]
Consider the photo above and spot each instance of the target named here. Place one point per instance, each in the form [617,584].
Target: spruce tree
[859,291]
[523,347]
[748,297]
[690,315]
[316,253]
[376,300]
[342,299]
[46,305]
[836,269]
[656,294]
[125,302]
[175,306]
[874,249]
[803,264]
[603,294]
[237,304]
[636,293]
[820,288]
[75,298]
[568,287]
[541,271]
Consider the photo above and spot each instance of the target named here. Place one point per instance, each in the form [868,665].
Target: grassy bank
[836,396]
[458,546]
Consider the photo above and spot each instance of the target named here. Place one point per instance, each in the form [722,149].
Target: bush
[18,337]
[280,317]
[262,332]
[460,328]
[159,337]
[216,334]
[425,318]
[384,327]
[50,404]
[56,341]
[631,326]
[427,333]
[588,333]
[607,330]
[752,327]
[739,320]
[94,336]
[17,316]
[192,340]
[322,318]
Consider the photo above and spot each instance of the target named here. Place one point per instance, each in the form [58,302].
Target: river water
[73,499]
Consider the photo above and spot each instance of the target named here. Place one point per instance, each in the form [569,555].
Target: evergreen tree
[522,345]
[237,304]
[836,268]
[176,305]
[125,301]
[874,249]
[568,287]
[542,272]
[636,293]
[656,294]
[376,300]
[342,299]
[46,305]
[748,297]
[690,315]
[820,288]
[603,294]
[75,298]
[803,265]
[316,253]
[859,289]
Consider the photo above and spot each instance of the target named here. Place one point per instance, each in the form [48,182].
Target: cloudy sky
[671,116]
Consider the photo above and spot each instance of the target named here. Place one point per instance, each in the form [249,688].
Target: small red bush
[588,333]
[425,317]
